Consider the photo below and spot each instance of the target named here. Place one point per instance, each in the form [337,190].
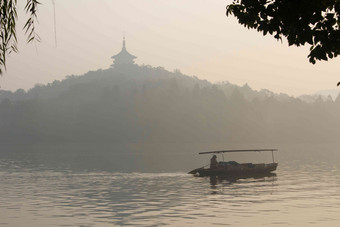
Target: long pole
[55,24]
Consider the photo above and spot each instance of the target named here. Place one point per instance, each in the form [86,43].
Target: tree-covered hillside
[141,104]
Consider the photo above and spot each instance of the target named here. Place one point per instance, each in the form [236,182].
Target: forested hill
[141,104]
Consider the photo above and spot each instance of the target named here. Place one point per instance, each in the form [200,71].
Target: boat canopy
[225,151]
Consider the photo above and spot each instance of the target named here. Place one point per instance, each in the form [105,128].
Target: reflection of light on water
[241,185]
[300,194]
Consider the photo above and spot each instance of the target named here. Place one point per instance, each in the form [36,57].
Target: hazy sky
[194,36]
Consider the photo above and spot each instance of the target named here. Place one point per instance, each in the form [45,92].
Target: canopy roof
[217,152]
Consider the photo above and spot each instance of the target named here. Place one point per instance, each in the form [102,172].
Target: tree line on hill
[142,104]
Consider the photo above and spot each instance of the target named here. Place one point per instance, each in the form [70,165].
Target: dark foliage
[8,34]
[315,22]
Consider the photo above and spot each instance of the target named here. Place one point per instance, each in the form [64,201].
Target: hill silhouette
[142,104]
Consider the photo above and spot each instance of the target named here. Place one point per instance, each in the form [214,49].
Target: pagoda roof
[123,53]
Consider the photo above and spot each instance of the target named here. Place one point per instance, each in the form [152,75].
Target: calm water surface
[300,194]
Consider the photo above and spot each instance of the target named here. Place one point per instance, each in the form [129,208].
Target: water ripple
[297,196]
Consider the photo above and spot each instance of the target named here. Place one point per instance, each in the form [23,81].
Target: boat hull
[240,169]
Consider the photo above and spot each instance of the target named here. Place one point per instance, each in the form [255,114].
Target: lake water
[40,188]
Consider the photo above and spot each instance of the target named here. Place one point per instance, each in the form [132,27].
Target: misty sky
[194,36]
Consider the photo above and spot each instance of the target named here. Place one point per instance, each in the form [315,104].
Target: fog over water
[113,147]
[71,186]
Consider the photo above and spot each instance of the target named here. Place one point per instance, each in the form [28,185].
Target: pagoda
[123,57]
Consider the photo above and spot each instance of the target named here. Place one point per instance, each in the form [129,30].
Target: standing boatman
[213,162]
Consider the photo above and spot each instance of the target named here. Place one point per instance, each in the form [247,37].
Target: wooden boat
[233,168]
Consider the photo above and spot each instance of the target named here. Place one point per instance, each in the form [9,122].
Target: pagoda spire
[124,42]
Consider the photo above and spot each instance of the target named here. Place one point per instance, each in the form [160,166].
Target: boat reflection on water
[219,179]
